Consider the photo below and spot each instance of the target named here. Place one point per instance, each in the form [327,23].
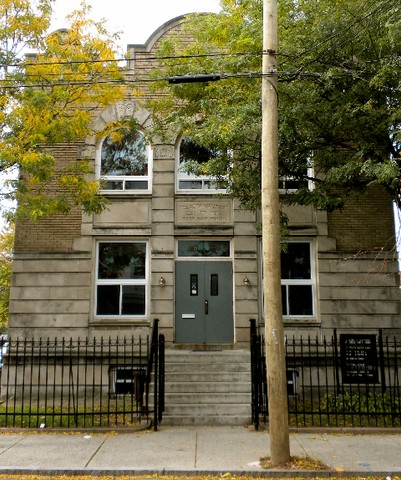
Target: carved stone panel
[207,212]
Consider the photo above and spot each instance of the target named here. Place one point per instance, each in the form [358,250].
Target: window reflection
[121,279]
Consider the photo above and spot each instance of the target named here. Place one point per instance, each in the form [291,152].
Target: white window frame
[312,282]
[298,282]
[121,282]
[204,180]
[125,178]
[283,179]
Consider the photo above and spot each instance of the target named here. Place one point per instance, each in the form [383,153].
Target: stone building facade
[171,248]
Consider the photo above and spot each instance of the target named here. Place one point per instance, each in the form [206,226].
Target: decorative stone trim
[163,151]
[125,109]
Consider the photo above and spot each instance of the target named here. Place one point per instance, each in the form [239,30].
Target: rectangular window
[116,185]
[198,184]
[194,284]
[121,280]
[214,285]
[127,380]
[292,183]
[297,282]
[203,248]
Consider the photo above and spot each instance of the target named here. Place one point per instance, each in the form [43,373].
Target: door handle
[206,307]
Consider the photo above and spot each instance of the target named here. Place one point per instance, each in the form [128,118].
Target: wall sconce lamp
[246,281]
[162,281]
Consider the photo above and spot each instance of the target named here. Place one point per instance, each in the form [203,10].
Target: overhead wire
[129,59]
[339,38]
[336,40]
[341,33]
[388,4]
[125,81]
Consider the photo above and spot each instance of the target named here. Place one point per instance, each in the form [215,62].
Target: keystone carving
[125,109]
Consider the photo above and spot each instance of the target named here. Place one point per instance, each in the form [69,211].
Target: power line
[127,59]
[184,78]
[106,81]
[382,9]
[340,35]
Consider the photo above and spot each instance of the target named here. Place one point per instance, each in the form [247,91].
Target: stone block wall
[50,295]
[55,259]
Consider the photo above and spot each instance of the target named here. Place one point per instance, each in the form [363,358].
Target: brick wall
[56,233]
[366,223]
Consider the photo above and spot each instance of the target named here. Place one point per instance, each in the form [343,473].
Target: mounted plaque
[358,358]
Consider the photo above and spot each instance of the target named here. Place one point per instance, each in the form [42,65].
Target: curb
[201,473]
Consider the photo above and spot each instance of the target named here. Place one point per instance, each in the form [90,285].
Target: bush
[354,402]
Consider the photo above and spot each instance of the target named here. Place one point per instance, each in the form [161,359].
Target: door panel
[204,299]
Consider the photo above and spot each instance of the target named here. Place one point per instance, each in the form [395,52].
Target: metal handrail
[156,366]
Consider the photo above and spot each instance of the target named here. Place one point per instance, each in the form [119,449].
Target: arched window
[191,156]
[300,177]
[125,162]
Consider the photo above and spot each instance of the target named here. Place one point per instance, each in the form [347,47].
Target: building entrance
[204,302]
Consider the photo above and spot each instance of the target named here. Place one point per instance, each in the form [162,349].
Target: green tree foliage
[49,98]
[6,251]
[339,96]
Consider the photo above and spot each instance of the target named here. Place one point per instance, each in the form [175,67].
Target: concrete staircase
[207,388]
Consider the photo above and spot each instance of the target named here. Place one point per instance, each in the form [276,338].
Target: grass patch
[107,415]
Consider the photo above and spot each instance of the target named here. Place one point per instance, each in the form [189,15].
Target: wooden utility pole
[274,332]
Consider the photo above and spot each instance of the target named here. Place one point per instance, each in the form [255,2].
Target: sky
[136,19]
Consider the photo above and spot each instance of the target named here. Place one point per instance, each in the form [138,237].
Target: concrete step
[236,409]
[226,377]
[237,356]
[208,387]
[210,420]
[207,398]
[201,367]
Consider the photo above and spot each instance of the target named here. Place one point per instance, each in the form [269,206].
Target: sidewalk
[193,451]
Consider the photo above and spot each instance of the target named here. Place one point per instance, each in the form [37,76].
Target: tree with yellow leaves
[48,98]
[6,251]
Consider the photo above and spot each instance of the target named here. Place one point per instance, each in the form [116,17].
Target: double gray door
[204,302]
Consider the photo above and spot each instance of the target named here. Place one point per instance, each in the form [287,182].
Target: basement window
[127,380]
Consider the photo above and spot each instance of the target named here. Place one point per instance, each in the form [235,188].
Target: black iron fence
[347,380]
[82,383]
